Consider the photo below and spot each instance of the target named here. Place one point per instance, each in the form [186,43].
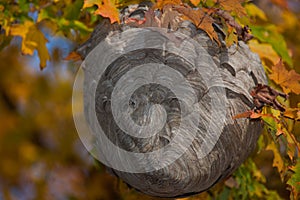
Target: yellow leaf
[289,81]
[264,50]
[277,160]
[254,11]
[32,39]
[90,3]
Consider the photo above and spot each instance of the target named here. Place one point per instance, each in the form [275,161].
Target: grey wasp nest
[238,69]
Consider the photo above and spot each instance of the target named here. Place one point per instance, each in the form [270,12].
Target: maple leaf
[160,4]
[32,39]
[233,6]
[106,8]
[289,81]
[201,20]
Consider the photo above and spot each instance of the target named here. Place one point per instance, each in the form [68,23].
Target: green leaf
[269,34]
[72,12]
[294,181]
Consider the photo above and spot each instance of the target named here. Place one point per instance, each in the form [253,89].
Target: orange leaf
[73,56]
[248,114]
[195,2]
[201,20]
[242,115]
[279,132]
[281,3]
[161,3]
[292,113]
[233,6]
[255,115]
[106,8]
[289,81]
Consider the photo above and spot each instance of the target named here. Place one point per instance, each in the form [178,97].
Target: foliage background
[41,154]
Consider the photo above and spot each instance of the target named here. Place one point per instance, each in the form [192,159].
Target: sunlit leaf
[106,8]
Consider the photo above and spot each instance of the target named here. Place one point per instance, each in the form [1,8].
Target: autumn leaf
[201,20]
[254,11]
[90,3]
[73,56]
[106,8]
[270,35]
[292,113]
[289,81]
[277,160]
[231,36]
[233,6]
[264,50]
[195,2]
[248,114]
[32,39]
[160,4]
